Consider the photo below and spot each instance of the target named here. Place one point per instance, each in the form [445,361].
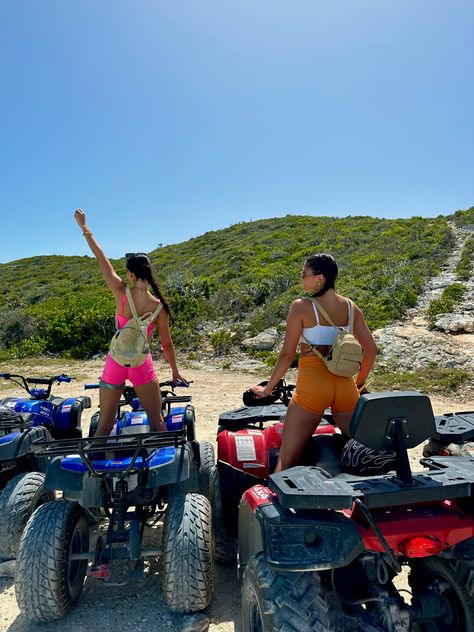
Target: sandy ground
[138,606]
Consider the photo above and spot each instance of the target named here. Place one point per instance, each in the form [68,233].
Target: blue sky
[165,119]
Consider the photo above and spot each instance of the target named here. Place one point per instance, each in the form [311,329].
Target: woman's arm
[168,346]
[294,327]
[368,344]
[115,283]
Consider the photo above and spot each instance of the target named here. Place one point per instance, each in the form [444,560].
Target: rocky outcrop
[264,341]
[409,344]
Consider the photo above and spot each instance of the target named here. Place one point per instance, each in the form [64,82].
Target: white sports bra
[323,334]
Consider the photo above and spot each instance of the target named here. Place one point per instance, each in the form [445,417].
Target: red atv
[324,550]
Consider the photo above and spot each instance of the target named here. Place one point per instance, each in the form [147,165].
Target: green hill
[242,277]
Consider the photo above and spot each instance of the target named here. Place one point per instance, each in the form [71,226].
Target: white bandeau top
[323,334]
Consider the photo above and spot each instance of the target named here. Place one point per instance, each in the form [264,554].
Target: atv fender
[250,529]
[309,540]
[23,442]
[76,486]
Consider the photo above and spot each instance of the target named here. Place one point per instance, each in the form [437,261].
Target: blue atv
[23,421]
[135,478]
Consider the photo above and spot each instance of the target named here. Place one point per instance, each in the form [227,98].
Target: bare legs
[297,430]
[150,398]
[108,402]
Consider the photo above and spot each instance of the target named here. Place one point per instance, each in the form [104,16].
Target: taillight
[420,546]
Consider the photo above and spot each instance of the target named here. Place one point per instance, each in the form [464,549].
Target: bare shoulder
[299,305]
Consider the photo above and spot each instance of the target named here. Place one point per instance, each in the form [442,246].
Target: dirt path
[138,606]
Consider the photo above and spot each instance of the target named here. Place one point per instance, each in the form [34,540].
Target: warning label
[245,448]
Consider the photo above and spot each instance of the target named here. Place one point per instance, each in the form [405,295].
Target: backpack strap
[312,347]
[325,314]
[351,315]
[147,317]
[133,309]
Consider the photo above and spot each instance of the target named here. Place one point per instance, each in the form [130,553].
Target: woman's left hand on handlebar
[260,391]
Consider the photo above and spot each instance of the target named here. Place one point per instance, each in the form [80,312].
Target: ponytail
[156,290]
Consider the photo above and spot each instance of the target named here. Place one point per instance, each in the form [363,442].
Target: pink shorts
[115,374]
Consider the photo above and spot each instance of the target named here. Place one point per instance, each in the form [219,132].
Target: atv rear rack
[313,488]
[87,448]
[455,427]
[256,416]
[10,420]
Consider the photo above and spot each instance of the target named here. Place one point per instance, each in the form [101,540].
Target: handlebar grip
[88,387]
[5,375]
[64,378]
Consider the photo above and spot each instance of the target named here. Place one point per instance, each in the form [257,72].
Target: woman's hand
[177,377]
[261,391]
[80,217]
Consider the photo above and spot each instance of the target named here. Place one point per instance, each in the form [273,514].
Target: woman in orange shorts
[142,377]
[316,387]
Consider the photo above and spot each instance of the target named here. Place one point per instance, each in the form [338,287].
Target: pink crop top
[323,334]
[121,319]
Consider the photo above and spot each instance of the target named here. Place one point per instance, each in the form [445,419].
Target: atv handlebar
[34,392]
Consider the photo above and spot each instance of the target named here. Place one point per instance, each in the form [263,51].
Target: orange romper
[316,387]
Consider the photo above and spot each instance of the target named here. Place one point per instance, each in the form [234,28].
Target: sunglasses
[304,273]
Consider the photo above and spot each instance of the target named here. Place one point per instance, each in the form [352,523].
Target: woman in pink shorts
[142,377]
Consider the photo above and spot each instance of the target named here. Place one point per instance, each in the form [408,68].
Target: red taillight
[420,546]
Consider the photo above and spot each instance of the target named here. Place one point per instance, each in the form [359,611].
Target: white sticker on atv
[136,420]
[245,448]
[66,408]
[10,404]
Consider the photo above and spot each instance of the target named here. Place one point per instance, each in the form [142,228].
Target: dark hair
[326,265]
[140,265]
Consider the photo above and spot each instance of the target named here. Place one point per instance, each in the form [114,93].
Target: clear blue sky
[165,119]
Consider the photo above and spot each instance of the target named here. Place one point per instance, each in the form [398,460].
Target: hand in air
[80,217]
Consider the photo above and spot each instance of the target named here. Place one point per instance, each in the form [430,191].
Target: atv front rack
[138,444]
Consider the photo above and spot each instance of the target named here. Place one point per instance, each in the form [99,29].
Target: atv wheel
[206,454]
[283,602]
[457,579]
[18,500]
[225,548]
[48,582]
[186,563]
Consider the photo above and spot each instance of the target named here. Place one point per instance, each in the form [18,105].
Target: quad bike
[135,478]
[324,551]
[248,440]
[23,420]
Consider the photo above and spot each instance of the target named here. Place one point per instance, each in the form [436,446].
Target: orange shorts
[318,389]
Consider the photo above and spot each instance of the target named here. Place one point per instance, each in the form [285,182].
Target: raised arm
[115,283]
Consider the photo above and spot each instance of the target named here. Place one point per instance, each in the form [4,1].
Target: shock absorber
[120,506]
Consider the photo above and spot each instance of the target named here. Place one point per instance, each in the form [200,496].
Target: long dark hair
[326,265]
[140,265]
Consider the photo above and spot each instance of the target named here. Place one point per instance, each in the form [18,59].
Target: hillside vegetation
[240,279]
